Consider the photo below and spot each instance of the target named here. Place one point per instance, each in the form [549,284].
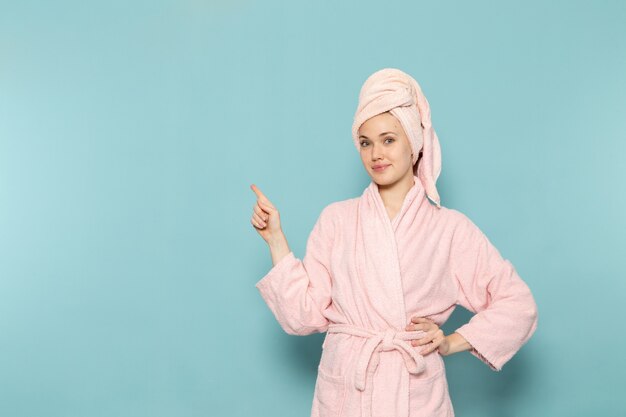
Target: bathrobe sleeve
[488,285]
[298,291]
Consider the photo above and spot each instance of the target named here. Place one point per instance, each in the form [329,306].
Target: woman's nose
[376,153]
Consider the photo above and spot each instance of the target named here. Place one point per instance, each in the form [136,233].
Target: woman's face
[383,143]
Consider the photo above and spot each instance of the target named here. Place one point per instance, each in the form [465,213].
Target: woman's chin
[387,177]
[382,179]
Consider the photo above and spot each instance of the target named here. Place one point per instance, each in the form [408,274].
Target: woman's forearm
[457,343]
[279,248]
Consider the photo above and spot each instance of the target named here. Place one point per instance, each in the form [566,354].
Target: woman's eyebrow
[382,134]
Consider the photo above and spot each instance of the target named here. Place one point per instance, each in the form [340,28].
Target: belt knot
[388,338]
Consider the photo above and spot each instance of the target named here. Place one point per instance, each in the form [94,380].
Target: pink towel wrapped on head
[364,276]
[392,90]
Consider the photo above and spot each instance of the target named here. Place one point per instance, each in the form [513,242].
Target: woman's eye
[363,144]
[391,139]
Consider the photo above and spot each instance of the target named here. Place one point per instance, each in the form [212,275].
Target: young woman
[382,272]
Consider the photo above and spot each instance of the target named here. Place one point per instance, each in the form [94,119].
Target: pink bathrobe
[362,279]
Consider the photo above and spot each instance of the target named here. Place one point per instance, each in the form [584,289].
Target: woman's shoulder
[342,205]
[451,214]
[465,231]
[459,222]
[337,210]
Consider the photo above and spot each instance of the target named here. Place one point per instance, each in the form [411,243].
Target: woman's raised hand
[265,217]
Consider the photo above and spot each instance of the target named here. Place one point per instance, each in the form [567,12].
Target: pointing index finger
[260,195]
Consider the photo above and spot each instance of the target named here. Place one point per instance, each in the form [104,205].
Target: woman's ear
[417,163]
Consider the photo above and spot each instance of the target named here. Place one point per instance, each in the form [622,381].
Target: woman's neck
[393,195]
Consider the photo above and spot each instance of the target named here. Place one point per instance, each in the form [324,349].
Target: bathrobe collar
[414,201]
[376,252]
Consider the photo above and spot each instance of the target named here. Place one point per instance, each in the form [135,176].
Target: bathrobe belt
[386,340]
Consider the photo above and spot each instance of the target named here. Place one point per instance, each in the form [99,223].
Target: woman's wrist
[279,248]
[456,343]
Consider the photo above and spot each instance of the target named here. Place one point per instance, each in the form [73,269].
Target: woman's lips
[380,168]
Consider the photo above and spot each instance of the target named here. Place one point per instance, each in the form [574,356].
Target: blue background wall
[130,133]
